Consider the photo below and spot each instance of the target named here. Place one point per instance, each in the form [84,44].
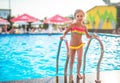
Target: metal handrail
[84,64]
[99,62]
[67,60]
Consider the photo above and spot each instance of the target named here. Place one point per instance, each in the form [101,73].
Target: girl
[76,45]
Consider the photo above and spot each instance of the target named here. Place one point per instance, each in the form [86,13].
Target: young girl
[76,45]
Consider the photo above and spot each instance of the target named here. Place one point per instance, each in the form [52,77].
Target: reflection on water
[34,56]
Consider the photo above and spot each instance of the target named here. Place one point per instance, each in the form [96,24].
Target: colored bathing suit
[76,47]
[77,30]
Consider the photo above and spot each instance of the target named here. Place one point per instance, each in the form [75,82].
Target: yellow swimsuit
[76,47]
[80,31]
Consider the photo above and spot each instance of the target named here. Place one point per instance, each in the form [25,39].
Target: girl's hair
[77,11]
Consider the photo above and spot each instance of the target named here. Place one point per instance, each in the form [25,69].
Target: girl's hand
[94,36]
[62,37]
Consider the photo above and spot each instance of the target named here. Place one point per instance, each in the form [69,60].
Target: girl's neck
[79,24]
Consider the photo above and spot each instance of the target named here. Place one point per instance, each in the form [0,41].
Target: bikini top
[78,30]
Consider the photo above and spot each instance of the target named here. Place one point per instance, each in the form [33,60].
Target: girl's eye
[79,15]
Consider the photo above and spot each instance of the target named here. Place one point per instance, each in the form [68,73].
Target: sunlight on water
[34,56]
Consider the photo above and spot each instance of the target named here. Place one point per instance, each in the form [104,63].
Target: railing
[99,62]
[67,60]
[84,63]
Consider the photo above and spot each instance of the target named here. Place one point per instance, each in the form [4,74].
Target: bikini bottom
[76,47]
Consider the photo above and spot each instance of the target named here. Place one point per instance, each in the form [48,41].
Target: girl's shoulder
[84,26]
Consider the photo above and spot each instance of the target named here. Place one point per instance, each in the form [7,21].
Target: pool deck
[105,77]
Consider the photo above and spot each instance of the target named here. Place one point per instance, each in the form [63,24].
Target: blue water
[34,56]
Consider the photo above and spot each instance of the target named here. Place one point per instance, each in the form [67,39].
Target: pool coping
[105,77]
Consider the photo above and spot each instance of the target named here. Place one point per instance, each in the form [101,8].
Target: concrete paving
[105,77]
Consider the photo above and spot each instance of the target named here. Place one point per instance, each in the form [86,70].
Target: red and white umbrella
[25,18]
[57,19]
[3,21]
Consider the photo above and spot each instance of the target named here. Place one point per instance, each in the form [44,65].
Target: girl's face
[79,17]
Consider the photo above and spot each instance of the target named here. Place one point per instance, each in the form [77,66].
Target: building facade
[103,18]
[4,13]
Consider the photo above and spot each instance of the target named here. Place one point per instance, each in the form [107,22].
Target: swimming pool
[30,56]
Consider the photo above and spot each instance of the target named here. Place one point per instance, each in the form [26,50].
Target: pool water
[30,56]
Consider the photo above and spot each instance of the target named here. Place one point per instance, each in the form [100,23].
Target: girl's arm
[86,32]
[66,31]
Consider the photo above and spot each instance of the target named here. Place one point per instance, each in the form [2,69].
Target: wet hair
[77,11]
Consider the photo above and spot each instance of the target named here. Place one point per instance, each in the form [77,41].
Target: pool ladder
[84,63]
[99,61]
[67,60]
